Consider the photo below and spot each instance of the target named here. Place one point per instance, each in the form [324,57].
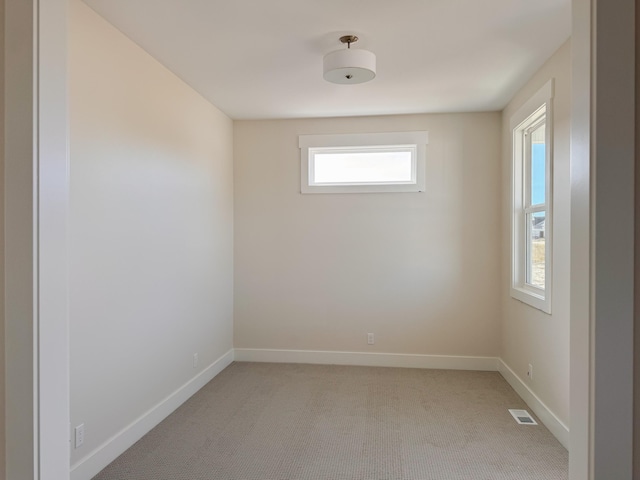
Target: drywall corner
[548,418]
[530,336]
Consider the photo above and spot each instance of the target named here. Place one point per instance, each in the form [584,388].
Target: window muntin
[532,200]
[363,163]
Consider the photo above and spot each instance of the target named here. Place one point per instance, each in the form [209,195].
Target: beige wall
[530,336]
[419,270]
[151,230]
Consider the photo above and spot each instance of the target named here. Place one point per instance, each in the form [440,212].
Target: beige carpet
[278,421]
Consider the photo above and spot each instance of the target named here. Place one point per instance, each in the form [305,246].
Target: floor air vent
[522,417]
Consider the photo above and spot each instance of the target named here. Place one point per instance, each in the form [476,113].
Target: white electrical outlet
[370,339]
[195,360]
[79,435]
[530,372]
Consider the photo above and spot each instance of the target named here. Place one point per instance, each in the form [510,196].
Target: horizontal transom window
[385,162]
[362,165]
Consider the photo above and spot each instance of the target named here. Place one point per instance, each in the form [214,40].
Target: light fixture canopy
[349,66]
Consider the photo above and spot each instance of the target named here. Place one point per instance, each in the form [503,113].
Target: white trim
[582,359]
[308,143]
[520,121]
[363,139]
[444,362]
[52,242]
[36,204]
[99,458]
[546,416]
[542,96]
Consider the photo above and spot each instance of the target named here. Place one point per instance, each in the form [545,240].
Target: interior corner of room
[258,269]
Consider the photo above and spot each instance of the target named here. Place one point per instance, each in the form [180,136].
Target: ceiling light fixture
[349,66]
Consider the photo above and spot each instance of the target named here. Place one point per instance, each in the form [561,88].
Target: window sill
[532,298]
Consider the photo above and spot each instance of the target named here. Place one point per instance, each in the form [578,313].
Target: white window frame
[414,142]
[541,103]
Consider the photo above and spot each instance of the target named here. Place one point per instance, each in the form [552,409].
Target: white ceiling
[263,58]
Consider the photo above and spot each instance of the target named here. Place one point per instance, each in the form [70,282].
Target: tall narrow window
[531,221]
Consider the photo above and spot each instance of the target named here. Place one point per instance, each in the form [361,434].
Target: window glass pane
[538,161]
[536,249]
[363,167]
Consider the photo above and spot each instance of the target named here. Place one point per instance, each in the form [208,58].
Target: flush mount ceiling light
[349,66]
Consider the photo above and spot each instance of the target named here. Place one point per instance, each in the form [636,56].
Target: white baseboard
[444,362]
[546,416]
[367,359]
[95,461]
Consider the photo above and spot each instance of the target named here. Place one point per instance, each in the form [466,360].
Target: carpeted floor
[260,421]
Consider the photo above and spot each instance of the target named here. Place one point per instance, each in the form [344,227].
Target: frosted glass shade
[349,66]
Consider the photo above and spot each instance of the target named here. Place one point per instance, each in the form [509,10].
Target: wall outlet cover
[79,435]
